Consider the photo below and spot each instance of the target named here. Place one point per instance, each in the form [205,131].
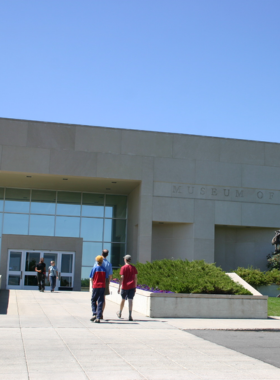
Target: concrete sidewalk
[49,336]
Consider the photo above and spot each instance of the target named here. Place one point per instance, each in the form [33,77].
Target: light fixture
[114,182]
[107,188]
[29,176]
[65,179]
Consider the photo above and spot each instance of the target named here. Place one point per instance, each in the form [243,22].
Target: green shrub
[186,277]
[257,278]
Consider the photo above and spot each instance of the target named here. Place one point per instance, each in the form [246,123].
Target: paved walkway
[49,336]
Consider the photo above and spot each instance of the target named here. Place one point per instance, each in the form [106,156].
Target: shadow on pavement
[4,301]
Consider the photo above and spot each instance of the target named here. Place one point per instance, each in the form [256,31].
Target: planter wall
[172,305]
[269,290]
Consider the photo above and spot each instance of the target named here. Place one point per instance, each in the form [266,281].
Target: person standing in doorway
[109,273]
[98,275]
[52,275]
[41,273]
[128,284]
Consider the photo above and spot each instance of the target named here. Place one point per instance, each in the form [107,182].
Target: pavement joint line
[20,329]
[111,348]
[165,356]
[55,329]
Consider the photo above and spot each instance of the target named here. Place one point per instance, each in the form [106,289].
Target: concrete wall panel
[13,132]
[196,147]
[147,143]
[171,170]
[242,152]
[91,139]
[272,154]
[228,213]
[260,215]
[48,135]
[21,159]
[119,166]
[173,210]
[218,173]
[263,177]
[73,163]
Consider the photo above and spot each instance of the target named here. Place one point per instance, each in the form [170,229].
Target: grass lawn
[273,306]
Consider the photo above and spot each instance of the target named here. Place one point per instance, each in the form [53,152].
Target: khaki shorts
[107,291]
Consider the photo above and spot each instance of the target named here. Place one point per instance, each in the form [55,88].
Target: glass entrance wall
[100,219]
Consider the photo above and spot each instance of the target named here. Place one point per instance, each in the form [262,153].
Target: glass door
[14,272]
[66,275]
[31,259]
[48,257]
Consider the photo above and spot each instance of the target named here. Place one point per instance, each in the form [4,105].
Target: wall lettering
[226,192]
[202,191]
[239,194]
[177,189]
[190,189]
[214,191]
[260,194]
[271,195]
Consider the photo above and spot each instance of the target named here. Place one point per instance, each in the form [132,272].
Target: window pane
[93,205]
[17,200]
[85,272]
[114,230]
[67,226]
[66,281]
[1,198]
[41,225]
[68,203]
[32,258]
[30,280]
[14,280]
[66,263]
[1,219]
[115,206]
[90,251]
[43,202]
[15,261]
[48,257]
[15,224]
[116,253]
[92,229]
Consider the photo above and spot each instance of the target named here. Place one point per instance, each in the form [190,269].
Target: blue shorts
[128,294]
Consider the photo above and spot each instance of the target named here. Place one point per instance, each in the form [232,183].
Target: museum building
[69,191]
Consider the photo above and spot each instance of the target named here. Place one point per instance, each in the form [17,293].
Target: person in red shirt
[128,284]
[98,275]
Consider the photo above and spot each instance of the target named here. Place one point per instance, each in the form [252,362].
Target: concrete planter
[269,290]
[171,305]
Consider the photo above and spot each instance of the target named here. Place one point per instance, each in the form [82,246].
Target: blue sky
[204,67]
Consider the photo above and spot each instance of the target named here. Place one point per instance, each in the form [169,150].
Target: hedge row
[186,277]
[255,277]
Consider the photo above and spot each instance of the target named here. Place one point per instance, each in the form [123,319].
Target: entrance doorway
[21,268]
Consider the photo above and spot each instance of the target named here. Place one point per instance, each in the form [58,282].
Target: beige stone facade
[189,196]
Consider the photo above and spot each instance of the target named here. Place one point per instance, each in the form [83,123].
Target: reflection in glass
[43,202]
[17,200]
[30,280]
[14,280]
[67,226]
[68,203]
[66,281]
[90,251]
[116,253]
[92,229]
[86,272]
[1,198]
[114,230]
[15,261]
[41,225]
[48,257]
[115,206]
[15,224]
[66,263]
[93,205]
[32,258]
